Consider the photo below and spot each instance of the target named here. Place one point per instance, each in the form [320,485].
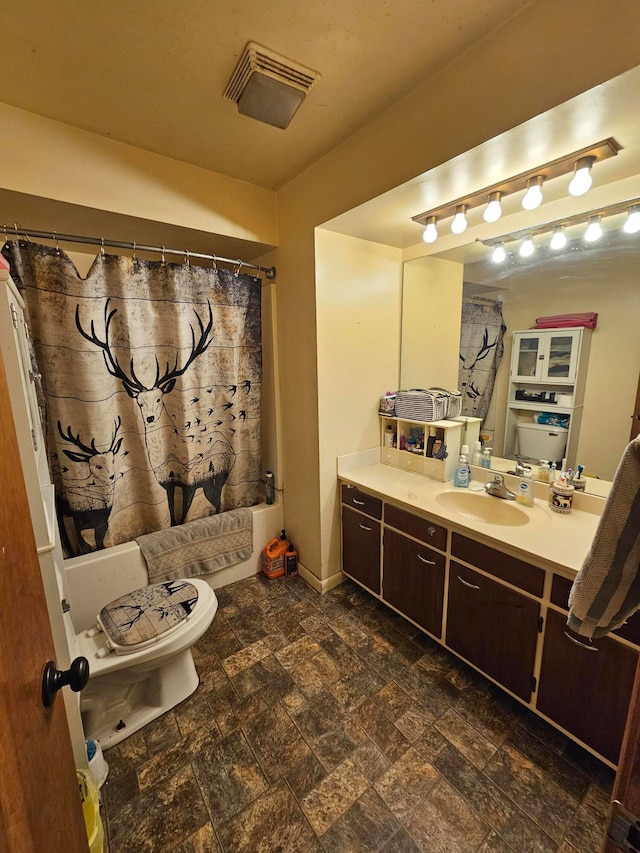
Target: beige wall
[358,287]
[432,304]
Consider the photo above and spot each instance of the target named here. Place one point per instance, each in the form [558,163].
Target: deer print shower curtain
[481,348]
[151,375]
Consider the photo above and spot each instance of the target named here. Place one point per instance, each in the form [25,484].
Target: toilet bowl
[140,662]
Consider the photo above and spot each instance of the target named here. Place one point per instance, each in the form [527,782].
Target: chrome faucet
[498,489]
[521,467]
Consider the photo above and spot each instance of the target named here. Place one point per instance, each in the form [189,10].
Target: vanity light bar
[524,181]
[630,206]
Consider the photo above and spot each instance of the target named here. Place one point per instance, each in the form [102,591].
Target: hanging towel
[199,547]
[606,590]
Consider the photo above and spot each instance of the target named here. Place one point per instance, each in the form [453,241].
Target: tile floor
[329,723]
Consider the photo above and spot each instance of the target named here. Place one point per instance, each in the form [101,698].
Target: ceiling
[152,73]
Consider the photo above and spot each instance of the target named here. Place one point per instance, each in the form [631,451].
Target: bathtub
[93,580]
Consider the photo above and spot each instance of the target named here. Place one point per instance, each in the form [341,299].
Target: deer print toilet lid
[141,617]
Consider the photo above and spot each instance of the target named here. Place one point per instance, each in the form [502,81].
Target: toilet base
[115,705]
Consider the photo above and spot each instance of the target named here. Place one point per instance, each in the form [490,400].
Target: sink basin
[480,507]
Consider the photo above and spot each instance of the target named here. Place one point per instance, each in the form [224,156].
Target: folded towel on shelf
[606,590]
[563,321]
[198,547]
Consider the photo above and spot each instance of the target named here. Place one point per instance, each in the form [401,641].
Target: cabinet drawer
[560,589]
[413,525]
[411,461]
[510,569]
[352,496]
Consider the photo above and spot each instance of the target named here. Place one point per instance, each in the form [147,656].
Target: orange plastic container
[273,557]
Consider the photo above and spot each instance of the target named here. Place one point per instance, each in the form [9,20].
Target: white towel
[198,547]
[606,590]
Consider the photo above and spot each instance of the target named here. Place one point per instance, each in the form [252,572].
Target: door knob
[53,679]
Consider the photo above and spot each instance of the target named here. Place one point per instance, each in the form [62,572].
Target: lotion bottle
[462,475]
[476,459]
[524,495]
[486,458]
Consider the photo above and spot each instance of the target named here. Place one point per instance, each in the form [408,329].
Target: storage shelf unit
[452,433]
[551,363]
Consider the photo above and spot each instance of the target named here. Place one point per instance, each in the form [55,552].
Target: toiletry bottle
[269,491]
[462,474]
[411,444]
[544,473]
[553,476]
[524,495]
[486,457]
[389,436]
[476,459]
[437,445]
[431,440]
[291,562]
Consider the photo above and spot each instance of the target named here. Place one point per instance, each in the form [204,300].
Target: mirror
[599,277]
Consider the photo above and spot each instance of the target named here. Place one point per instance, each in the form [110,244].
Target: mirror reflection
[590,377]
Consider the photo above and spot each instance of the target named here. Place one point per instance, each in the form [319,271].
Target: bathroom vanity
[490,580]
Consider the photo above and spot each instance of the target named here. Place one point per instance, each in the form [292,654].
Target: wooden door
[361,548]
[586,687]
[413,580]
[40,810]
[494,628]
[635,417]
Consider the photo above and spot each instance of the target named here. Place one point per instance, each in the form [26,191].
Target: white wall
[358,287]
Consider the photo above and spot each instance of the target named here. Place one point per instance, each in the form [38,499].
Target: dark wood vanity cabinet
[493,627]
[586,687]
[361,548]
[413,580]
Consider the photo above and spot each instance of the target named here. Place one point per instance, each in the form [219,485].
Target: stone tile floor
[329,724]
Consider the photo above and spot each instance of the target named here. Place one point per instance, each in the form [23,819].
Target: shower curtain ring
[55,240]
[134,251]
[236,272]
[162,255]
[102,247]
[214,265]
[186,257]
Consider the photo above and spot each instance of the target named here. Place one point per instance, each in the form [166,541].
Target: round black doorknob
[53,679]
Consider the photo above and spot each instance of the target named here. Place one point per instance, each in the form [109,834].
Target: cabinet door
[494,628]
[561,356]
[527,357]
[361,548]
[586,688]
[413,580]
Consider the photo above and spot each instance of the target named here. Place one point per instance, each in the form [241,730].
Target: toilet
[541,441]
[139,654]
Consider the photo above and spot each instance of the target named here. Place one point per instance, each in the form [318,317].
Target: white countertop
[549,539]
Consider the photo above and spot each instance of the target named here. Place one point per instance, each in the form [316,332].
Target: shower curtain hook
[186,257]
[236,272]
[55,240]
[134,251]
[102,247]
[162,255]
[214,265]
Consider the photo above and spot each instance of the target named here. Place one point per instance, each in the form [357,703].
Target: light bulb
[459,223]
[582,180]
[533,196]
[632,222]
[527,248]
[430,234]
[499,254]
[594,230]
[559,239]
[493,210]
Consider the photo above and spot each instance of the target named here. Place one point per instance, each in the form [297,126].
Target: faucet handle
[498,479]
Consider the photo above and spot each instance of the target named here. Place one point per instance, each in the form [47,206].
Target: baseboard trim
[320,586]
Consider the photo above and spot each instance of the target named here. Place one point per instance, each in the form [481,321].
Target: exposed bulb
[582,180]
[527,248]
[499,254]
[430,234]
[493,210]
[559,240]
[594,230]
[632,222]
[533,196]
[459,223]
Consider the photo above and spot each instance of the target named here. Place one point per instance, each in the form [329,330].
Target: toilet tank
[541,441]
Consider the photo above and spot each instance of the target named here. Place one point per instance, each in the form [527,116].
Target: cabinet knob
[431,531]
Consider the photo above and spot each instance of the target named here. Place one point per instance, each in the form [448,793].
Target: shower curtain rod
[270,272]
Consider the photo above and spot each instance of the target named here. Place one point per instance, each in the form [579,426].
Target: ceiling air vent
[268,87]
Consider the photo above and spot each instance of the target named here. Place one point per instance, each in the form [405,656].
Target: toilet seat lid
[140,618]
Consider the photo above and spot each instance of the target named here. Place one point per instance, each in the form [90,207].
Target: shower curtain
[481,348]
[151,377]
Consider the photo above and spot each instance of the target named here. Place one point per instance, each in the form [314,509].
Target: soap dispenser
[462,475]
[476,459]
[524,495]
[486,458]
